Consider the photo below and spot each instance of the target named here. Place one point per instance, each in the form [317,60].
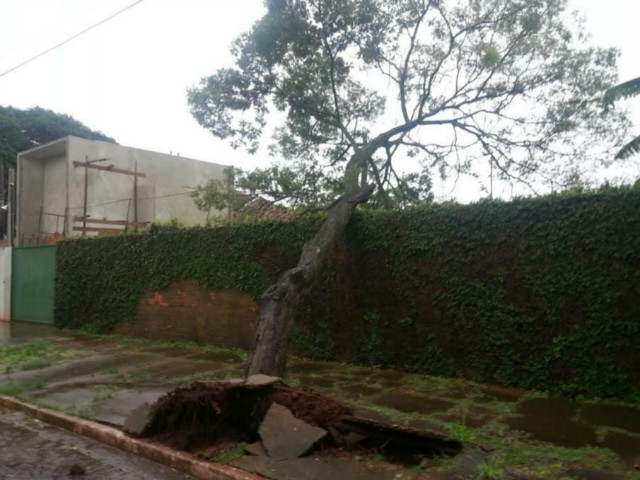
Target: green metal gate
[33,271]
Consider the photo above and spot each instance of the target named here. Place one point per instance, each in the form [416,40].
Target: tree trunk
[280,301]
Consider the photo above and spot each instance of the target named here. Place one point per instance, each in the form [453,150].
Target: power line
[122,200]
[73,37]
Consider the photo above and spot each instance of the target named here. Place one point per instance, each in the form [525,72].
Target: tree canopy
[447,86]
[24,129]
[375,95]
[627,89]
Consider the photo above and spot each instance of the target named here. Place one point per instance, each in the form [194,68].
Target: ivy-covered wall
[539,293]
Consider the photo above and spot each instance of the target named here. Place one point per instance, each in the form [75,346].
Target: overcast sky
[128,77]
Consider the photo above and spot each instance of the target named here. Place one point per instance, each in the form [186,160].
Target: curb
[117,439]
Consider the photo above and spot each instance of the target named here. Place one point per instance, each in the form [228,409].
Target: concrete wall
[54,195]
[174,177]
[5,283]
[29,199]
[162,194]
[48,181]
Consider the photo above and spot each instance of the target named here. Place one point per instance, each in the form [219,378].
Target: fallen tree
[501,86]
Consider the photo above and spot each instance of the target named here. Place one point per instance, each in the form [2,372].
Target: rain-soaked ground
[522,434]
[30,449]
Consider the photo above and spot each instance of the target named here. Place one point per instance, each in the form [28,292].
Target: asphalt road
[30,449]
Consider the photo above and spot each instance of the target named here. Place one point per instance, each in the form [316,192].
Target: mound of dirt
[205,414]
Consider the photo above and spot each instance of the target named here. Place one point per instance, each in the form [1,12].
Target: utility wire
[73,37]
[122,200]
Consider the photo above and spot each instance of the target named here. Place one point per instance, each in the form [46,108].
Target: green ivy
[538,293]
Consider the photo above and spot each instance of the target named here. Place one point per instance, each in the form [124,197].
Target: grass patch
[492,469]
[125,342]
[12,389]
[104,392]
[31,356]
[461,433]
[35,363]
[229,455]
[13,357]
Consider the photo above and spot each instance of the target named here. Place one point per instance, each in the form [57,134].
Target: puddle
[618,416]
[360,390]
[501,394]
[411,403]
[16,332]
[622,443]
[556,407]
[554,429]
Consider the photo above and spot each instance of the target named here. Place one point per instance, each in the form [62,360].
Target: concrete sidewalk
[103,378]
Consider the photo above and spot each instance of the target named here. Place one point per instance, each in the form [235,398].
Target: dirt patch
[193,417]
[205,414]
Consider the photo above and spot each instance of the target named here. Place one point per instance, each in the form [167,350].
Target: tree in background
[364,91]
[24,129]
[625,90]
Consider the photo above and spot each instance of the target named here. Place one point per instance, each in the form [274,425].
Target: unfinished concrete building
[73,186]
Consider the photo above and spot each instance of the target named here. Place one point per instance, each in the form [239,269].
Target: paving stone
[589,474]
[119,406]
[138,420]
[284,436]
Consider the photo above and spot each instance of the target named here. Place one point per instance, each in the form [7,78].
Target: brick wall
[186,311]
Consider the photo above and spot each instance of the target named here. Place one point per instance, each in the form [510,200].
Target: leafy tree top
[452,86]
[628,89]
[24,129]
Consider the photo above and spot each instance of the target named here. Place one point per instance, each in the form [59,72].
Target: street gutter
[117,439]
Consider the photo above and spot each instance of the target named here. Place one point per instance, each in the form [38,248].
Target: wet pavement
[104,378]
[30,449]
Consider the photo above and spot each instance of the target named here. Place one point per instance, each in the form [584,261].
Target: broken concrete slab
[138,420]
[260,380]
[256,448]
[284,436]
[119,406]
